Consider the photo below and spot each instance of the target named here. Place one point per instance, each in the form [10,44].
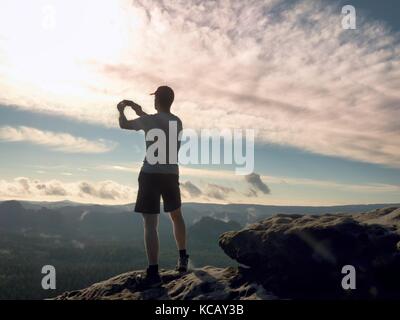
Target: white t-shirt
[165,122]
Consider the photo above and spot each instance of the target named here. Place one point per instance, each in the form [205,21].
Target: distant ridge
[328,208]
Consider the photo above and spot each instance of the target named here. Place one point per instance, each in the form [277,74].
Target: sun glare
[51,44]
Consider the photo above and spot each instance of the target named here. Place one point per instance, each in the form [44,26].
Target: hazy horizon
[202,203]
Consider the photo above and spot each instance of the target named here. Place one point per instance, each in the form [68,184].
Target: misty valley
[90,243]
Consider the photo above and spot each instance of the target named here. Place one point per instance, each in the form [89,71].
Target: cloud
[127,168]
[63,142]
[111,192]
[81,191]
[106,190]
[251,193]
[285,68]
[210,191]
[257,184]
[53,188]
[100,192]
[217,191]
[192,189]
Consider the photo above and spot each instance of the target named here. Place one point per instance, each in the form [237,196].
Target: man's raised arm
[124,123]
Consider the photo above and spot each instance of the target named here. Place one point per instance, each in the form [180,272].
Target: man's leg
[151,278]
[179,229]
[180,239]
[148,203]
[150,223]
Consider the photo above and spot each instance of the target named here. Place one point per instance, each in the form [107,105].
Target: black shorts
[153,186]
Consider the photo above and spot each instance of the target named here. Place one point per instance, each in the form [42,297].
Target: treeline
[79,265]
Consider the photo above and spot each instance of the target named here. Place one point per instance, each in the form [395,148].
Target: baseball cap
[165,93]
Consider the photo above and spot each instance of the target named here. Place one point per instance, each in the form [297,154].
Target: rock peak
[207,283]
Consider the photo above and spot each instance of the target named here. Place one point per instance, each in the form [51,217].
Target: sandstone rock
[387,216]
[208,283]
[302,256]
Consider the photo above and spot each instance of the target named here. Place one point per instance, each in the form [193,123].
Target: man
[158,180]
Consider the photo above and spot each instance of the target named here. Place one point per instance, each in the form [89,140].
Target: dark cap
[165,93]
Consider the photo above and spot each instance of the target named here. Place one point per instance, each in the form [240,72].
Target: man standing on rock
[159,177]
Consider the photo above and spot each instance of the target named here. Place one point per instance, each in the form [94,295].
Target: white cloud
[289,71]
[219,192]
[112,192]
[81,191]
[119,168]
[63,142]
[210,192]
[229,177]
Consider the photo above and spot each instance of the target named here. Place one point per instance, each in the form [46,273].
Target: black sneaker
[148,281]
[182,265]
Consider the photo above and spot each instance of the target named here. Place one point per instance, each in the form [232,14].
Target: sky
[323,100]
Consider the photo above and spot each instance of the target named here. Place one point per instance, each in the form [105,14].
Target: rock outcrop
[299,256]
[389,217]
[292,256]
[207,283]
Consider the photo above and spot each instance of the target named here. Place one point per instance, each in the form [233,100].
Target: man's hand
[130,124]
[121,106]
[137,108]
